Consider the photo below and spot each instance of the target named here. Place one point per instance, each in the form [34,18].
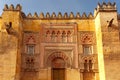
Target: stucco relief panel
[30,54]
[31,38]
[87,37]
[58,32]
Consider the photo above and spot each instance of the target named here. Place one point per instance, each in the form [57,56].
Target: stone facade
[60,47]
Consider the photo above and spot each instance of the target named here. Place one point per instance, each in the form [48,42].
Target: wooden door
[58,74]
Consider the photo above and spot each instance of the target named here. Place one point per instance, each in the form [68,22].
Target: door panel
[58,74]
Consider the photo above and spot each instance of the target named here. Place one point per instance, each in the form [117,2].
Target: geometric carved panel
[30,39]
[87,38]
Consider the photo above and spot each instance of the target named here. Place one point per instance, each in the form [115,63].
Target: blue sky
[31,6]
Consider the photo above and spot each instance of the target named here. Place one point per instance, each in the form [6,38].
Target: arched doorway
[58,61]
[58,69]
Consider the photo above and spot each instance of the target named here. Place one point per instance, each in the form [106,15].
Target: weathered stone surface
[47,43]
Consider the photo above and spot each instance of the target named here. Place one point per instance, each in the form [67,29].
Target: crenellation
[84,16]
[53,15]
[114,4]
[41,15]
[18,7]
[35,15]
[47,15]
[65,15]
[78,15]
[29,15]
[5,7]
[12,8]
[59,15]
[105,7]
[90,15]
[109,4]
[71,15]
[98,6]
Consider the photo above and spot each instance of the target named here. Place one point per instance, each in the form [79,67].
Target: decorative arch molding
[83,58]
[58,55]
[93,59]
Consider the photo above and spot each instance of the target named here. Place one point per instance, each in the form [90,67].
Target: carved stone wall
[58,41]
[30,59]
